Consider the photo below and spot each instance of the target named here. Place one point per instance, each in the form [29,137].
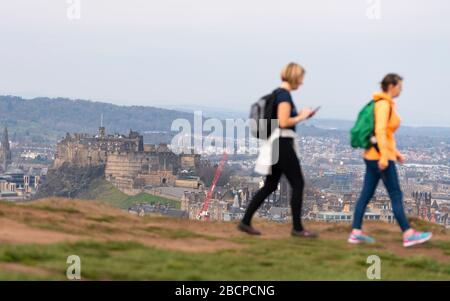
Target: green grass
[443,245]
[103,219]
[55,209]
[177,233]
[422,225]
[284,259]
[245,258]
[151,199]
[102,190]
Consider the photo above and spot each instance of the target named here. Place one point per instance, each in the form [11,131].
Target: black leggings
[288,165]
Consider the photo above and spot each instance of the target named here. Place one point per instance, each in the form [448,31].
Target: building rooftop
[14,171]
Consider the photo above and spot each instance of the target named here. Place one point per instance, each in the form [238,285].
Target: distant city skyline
[226,54]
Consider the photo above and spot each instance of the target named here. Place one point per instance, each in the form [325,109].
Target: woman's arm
[382,109]
[284,115]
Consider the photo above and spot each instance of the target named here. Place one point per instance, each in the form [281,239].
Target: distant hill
[45,120]
[346,125]
[48,119]
[314,123]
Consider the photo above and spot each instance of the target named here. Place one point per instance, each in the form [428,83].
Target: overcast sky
[227,53]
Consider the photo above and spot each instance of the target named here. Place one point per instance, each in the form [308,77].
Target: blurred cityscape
[333,172]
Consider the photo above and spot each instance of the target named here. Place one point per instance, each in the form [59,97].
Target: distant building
[331,216]
[342,182]
[5,152]
[136,170]
[220,208]
[130,165]
[15,183]
[85,150]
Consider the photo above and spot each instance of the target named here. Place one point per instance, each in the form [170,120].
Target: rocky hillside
[69,180]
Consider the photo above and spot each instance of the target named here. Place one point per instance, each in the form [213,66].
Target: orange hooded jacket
[384,130]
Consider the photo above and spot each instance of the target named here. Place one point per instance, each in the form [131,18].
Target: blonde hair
[291,73]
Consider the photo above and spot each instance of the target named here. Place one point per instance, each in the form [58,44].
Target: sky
[226,54]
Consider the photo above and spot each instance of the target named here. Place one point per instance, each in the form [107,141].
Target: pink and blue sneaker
[360,238]
[416,238]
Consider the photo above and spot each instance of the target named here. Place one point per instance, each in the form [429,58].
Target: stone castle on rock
[130,165]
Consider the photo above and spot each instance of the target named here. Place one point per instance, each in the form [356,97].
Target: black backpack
[261,125]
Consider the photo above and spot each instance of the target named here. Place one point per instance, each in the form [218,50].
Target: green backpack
[364,128]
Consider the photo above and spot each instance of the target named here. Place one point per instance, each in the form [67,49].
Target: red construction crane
[204,214]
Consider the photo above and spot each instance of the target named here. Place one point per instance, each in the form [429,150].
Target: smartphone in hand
[314,111]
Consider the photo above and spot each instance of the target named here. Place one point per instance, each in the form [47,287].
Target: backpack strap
[272,107]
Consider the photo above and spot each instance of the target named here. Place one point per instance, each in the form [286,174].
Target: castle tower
[5,150]
[101,129]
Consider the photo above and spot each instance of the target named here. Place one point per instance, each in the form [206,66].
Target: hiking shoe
[416,238]
[304,233]
[360,238]
[248,229]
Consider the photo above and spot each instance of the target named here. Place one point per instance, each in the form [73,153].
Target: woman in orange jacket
[380,164]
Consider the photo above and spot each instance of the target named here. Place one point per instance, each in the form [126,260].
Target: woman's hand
[400,158]
[284,112]
[382,165]
[304,114]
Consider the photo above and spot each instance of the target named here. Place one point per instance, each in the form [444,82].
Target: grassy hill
[104,191]
[89,183]
[36,239]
